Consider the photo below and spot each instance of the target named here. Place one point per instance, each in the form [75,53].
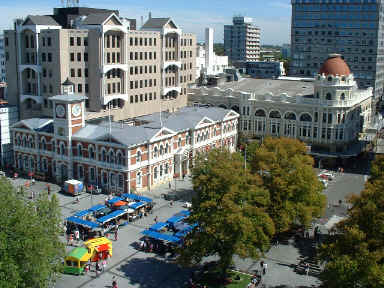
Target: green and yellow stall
[76,260]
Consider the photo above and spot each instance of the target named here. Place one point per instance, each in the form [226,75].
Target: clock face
[60,111]
[76,110]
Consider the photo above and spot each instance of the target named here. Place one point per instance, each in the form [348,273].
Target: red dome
[335,65]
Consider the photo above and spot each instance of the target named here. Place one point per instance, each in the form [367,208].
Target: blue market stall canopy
[82,213]
[185,231]
[173,220]
[111,216]
[82,222]
[162,237]
[136,197]
[137,205]
[114,200]
[158,226]
[97,207]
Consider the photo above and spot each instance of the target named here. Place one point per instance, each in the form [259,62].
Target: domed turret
[335,65]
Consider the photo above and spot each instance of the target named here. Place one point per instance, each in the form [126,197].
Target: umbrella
[120,203]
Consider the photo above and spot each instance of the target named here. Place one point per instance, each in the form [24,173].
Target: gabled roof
[40,20]
[97,18]
[156,23]
[34,123]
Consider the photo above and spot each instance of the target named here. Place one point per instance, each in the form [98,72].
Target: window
[49,57]
[86,89]
[79,72]
[73,72]
[85,57]
[49,41]
[86,72]
[72,41]
[80,88]
[85,41]
[138,179]
[79,57]
[155,173]
[72,57]
[43,57]
[91,152]
[78,41]
[79,150]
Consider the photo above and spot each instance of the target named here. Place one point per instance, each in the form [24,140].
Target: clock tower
[68,118]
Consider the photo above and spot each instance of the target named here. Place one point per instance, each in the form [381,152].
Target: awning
[82,213]
[120,203]
[158,226]
[111,216]
[173,220]
[183,213]
[114,200]
[102,247]
[97,207]
[137,205]
[160,236]
[136,197]
[188,228]
[82,222]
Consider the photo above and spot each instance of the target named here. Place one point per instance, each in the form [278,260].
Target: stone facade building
[327,113]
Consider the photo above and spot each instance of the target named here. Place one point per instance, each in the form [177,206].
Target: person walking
[104,263]
[265,267]
[77,235]
[97,268]
[156,219]
[169,185]
[116,231]
[306,269]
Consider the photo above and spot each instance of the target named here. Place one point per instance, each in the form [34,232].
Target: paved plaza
[133,268]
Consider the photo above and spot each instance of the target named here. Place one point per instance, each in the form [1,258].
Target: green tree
[288,175]
[354,257]
[229,209]
[30,249]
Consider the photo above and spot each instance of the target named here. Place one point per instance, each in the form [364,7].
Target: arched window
[274,114]
[290,116]
[43,144]
[24,141]
[260,113]
[31,143]
[120,160]
[167,148]
[306,118]
[111,156]
[80,172]
[155,173]
[161,150]
[328,96]
[62,148]
[105,177]
[161,170]
[138,156]
[31,163]
[138,179]
[91,152]
[342,96]
[113,179]
[155,152]
[166,169]
[103,155]
[179,142]
[79,150]
[45,165]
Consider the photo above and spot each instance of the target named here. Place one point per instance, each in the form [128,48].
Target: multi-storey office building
[129,71]
[119,157]
[352,28]
[242,40]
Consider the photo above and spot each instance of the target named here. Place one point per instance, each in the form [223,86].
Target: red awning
[103,247]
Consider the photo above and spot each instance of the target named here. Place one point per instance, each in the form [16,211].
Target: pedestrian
[265,267]
[104,263]
[142,245]
[156,219]
[307,234]
[169,185]
[171,203]
[116,234]
[306,269]
[77,235]
[183,177]
[97,268]
[114,284]
[77,199]
[261,265]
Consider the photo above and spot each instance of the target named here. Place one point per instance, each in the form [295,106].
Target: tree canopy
[287,172]
[230,209]
[355,256]
[30,249]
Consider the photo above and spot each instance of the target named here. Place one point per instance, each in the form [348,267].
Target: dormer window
[342,96]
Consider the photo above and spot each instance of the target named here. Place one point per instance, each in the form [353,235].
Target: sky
[193,16]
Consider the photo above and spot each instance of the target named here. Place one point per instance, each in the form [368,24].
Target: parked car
[187,205]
